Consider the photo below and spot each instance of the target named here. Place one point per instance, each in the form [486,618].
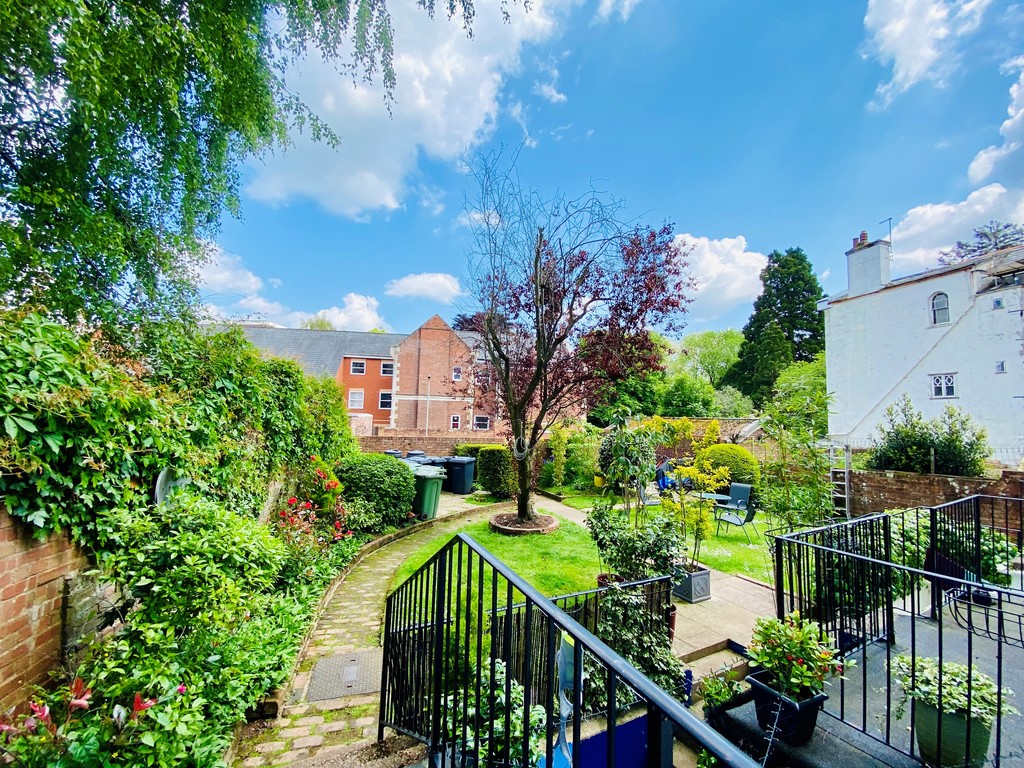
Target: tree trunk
[524,501]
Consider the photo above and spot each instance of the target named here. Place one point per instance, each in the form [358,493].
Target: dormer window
[940,309]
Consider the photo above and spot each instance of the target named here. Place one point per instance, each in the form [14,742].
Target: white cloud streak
[993,158]
[919,39]
[436,286]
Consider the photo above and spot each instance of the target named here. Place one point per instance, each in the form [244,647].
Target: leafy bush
[907,440]
[326,432]
[558,444]
[80,436]
[496,471]
[740,462]
[618,443]
[384,481]
[362,516]
[581,457]
[546,476]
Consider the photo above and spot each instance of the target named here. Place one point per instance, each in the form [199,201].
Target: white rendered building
[950,335]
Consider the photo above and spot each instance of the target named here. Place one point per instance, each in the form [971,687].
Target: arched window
[940,309]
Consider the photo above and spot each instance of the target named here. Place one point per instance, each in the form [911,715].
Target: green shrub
[635,444]
[546,476]
[907,441]
[740,462]
[384,481]
[326,432]
[362,516]
[559,445]
[80,436]
[581,458]
[496,471]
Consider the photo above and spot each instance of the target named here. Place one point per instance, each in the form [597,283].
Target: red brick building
[395,379]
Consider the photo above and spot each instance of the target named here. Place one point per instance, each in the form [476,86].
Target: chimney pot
[856,242]
[863,237]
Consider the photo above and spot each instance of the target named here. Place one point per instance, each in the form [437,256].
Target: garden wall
[434,446]
[46,606]
[872,492]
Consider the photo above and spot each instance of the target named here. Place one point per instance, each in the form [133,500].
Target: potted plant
[693,514]
[717,690]
[794,660]
[940,694]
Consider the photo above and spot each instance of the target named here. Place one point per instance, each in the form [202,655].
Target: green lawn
[731,553]
[556,564]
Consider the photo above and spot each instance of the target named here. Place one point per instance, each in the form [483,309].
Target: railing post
[977,538]
[890,614]
[933,539]
[437,694]
[659,739]
[384,682]
[780,592]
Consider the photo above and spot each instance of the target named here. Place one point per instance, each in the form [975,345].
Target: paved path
[331,709]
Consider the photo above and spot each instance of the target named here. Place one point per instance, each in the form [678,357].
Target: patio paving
[330,718]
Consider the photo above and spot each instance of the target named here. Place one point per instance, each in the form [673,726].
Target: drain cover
[346,674]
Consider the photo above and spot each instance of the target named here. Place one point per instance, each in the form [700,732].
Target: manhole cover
[346,674]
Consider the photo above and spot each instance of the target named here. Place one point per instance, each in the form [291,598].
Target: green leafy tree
[317,323]
[731,403]
[710,354]
[122,124]
[988,238]
[801,388]
[688,395]
[787,304]
[641,393]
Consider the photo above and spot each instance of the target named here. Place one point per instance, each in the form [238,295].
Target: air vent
[997,303]
[1000,366]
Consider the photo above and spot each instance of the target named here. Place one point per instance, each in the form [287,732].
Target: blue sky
[751,126]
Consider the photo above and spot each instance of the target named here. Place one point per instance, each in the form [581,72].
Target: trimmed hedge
[495,469]
[385,482]
[743,467]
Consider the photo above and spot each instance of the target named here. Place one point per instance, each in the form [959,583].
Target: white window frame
[935,310]
[352,367]
[351,399]
[380,400]
[486,420]
[457,373]
[455,422]
[943,386]
[390,364]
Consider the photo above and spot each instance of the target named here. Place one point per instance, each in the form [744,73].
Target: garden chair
[732,519]
[739,499]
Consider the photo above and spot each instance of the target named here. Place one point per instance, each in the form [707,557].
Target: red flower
[292,501]
[800,662]
[140,704]
[308,505]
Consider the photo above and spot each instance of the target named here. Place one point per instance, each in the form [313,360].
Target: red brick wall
[372,383]
[434,350]
[32,577]
[872,492]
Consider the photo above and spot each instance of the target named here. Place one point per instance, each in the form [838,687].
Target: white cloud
[992,158]
[224,273]
[549,88]
[727,274]
[357,313]
[825,275]
[518,113]
[623,7]
[930,228]
[447,99]
[437,286]
[919,39]
[233,292]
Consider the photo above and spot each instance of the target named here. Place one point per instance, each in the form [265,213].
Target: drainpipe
[426,428]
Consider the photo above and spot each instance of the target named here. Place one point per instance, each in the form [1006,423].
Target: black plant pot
[794,720]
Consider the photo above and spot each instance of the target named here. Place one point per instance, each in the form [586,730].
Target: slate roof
[320,352]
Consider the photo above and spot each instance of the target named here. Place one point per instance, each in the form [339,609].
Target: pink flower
[40,710]
[140,704]
[79,695]
[182,688]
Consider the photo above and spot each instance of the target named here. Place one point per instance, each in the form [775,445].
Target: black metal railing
[942,583]
[487,671]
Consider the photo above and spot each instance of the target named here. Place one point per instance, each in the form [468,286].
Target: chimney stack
[867,265]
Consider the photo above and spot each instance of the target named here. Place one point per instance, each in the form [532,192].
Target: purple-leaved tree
[568,294]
